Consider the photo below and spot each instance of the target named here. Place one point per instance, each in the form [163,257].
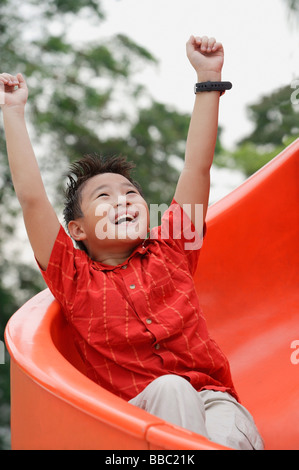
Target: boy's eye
[102,194]
[131,192]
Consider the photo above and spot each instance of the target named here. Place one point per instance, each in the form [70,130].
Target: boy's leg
[229,423]
[173,399]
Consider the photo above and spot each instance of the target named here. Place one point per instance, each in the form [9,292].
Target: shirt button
[132,286]
[157,346]
[148,321]
[124,266]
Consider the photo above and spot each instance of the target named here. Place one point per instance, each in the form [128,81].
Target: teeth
[124,218]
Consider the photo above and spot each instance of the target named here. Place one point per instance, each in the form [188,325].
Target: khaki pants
[215,415]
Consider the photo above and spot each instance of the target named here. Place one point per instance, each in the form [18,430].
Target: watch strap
[212,86]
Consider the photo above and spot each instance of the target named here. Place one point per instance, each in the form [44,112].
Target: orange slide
[248,284]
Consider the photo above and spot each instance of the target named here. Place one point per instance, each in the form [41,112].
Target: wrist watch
[212,86]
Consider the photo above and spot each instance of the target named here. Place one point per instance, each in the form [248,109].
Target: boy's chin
[125,241]
[130,235]
[128,241]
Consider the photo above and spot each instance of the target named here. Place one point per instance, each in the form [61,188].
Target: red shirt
[139,320]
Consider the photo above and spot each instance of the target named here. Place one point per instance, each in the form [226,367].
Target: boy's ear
[76,230]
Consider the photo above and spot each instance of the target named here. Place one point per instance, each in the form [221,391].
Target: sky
[260,43]
[261,55]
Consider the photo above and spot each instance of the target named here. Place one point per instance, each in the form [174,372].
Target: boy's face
[115,215]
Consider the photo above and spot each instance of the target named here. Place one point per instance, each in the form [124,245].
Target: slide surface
[247,281]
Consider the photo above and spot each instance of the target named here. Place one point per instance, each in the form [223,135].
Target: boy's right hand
[13,91]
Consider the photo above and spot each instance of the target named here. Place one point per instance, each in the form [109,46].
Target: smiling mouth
[126,219]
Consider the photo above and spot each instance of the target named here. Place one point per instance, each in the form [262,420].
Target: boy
[130,300]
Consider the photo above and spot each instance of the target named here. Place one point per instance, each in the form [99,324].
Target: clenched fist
[13,91]
[206,55]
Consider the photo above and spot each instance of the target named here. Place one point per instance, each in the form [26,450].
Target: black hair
[84,169]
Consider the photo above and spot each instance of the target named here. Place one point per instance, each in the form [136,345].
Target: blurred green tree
[276,125]
[275,118]
[83,99]
[293,6]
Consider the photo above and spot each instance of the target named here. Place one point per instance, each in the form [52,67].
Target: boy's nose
[122,201]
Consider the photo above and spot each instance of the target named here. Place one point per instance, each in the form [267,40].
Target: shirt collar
[141,249]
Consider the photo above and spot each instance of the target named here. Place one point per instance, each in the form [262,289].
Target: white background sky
[261,54]
[261,49]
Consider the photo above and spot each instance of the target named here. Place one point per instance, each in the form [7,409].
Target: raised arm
[206,56]
[40,218]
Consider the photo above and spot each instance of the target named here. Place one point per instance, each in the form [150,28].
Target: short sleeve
[63,270]
[178,230]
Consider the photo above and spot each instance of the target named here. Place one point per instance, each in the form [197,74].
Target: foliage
[274,117]
[83,99]
[276,124]
[293,6]
[250,158]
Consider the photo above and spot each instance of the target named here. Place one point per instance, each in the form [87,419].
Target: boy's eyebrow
[98,188]
[105,186]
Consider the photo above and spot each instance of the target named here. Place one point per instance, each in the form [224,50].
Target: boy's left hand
[206,56]
[14,92]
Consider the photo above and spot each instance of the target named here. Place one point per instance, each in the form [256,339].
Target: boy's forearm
[24,169]
[203,127]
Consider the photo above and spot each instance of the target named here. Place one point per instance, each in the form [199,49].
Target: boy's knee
[172,384]
[177,401]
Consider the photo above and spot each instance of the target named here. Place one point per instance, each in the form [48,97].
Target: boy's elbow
[200,162]
[26,201]
[201,169]
[33,207]
[29,199]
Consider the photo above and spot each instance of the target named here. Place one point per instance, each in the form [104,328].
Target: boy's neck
[112,258]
